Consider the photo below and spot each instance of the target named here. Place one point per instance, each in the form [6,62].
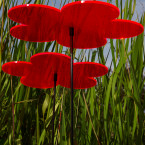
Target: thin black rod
[71,48]
[53,117]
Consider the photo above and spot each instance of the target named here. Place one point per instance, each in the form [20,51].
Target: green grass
[110,113]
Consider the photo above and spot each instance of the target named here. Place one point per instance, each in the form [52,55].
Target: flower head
[93,23]
[39,72]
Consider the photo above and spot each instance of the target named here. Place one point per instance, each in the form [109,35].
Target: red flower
[39,72]
[93,22]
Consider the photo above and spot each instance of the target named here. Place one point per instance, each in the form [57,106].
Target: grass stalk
[13,115]
[1,48]
[90,119]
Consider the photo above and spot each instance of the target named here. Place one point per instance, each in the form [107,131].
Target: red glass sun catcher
[39,72]
[93,22]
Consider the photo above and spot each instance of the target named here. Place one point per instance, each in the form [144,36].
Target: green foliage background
[110,113]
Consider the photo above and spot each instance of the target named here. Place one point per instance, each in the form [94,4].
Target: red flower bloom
[93,22]
[39,72]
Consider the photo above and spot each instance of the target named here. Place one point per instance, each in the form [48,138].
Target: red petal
[33,34]
[32,13]
[90,69]
[17,68]
[123,29]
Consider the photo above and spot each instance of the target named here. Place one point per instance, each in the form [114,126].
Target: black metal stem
[53,117]
[71,47]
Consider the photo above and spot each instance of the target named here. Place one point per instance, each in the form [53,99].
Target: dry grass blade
[90,119]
